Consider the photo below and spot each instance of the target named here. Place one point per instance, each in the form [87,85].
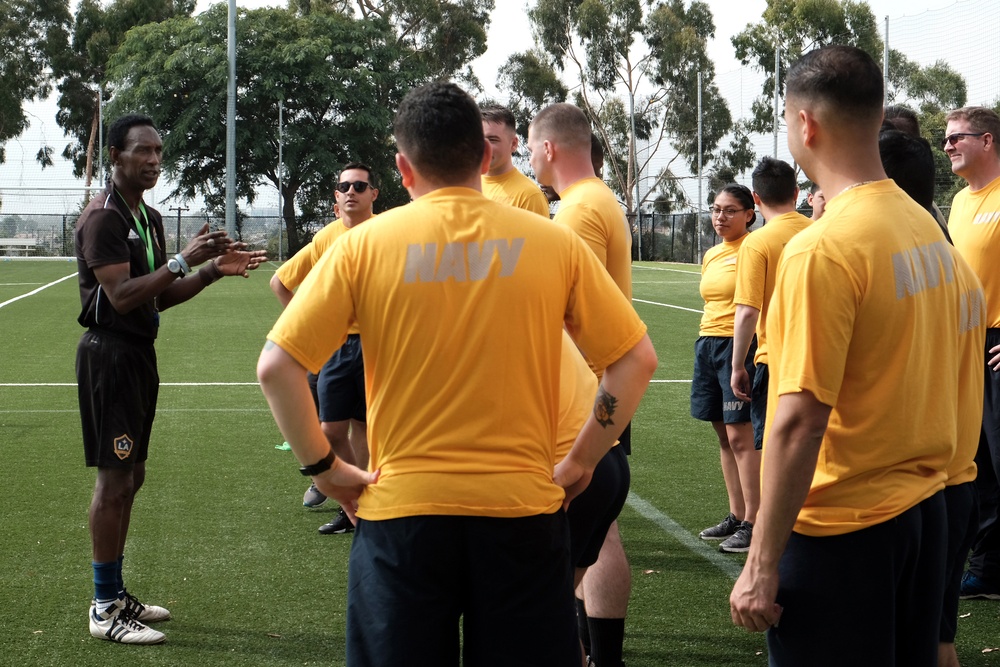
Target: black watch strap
[320,466]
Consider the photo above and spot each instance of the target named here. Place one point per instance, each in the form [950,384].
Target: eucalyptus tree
[633,67]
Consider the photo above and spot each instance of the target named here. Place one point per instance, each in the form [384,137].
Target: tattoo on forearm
[604,407]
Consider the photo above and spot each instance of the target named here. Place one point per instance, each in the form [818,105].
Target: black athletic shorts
[591,513]
[962,504]
[118,385]
[341,384]
[413,581]
[758,404]
[712,398]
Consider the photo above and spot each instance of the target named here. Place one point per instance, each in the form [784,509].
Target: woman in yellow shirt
[712,399]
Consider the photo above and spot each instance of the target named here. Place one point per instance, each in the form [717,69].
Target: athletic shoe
[727,527]
[144,613]
[312,497]
[975,588]
[738,542]
[340,525]
[115,622]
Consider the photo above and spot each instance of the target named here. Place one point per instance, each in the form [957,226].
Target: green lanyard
[144,232]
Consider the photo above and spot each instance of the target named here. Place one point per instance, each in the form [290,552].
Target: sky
[509,32]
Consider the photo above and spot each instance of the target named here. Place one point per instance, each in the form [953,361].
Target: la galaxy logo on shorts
[123,446]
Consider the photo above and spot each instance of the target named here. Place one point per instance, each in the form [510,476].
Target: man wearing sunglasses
[340,385]
[971,143]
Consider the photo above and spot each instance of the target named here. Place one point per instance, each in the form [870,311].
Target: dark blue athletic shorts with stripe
[712,398]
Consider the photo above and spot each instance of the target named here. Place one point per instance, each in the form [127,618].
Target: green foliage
[339,79]
[80,67]
[614,50]
[30,31]
[799,26]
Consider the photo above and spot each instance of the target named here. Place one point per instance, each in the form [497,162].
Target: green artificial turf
[219,534]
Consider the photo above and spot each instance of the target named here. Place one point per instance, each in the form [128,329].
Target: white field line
[36,291]
[727,564]
[660,268]
[667,305]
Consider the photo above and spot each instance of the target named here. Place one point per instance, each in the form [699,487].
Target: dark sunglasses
[953,138]
[345,186]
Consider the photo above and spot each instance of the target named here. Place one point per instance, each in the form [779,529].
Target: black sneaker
[738,542]
[340,525]
[727,527]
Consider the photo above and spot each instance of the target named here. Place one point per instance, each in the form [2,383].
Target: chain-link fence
[52,235]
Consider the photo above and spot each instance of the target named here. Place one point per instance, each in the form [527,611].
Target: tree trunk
[288,215]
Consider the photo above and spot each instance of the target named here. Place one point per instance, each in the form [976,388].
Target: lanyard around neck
[145,232]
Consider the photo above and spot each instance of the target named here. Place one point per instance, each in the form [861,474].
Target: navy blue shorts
[340,386]
[508,582]
[758,404]
[591,513]
[117,386]
[869,597]
[712,398]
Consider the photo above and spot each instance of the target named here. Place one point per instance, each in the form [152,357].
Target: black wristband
[320,466]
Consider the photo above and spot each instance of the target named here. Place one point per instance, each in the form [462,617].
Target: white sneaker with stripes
[115,622]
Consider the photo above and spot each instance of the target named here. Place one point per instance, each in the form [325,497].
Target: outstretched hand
[239,262]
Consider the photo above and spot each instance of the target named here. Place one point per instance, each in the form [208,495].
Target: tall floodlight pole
[100,134]
[885,65]
[635,171]
[698,208]
[281,141]
[231,127]
[777,65]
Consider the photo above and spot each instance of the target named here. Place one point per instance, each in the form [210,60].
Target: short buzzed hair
[360,166]
[494,113]
[439,129]
[118,132]
[565,124]
[774,181]
[980,119]
[843,79]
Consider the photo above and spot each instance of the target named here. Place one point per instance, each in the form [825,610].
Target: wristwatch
[320,466]
[175,267]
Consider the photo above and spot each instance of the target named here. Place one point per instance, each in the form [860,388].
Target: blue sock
[118,574]
[105,581]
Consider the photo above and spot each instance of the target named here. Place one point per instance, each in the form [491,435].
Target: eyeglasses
[345,186]
[953,139]
[724,212]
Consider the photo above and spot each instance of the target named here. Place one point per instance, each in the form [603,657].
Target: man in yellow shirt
[461,304]
[340,385]
[774,193]
[972,143]
[503,182]
[849,546]
[562,149]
